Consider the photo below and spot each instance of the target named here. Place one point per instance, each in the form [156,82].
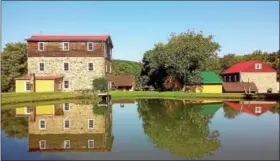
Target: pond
[142,129]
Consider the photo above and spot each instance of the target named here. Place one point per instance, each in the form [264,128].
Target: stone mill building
[65,62]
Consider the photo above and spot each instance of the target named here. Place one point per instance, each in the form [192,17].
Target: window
[258,66]
[90,66]
[67,144]
[65,46]
[28,110]
[41,66]
[66,107]
[42,144]
[110,68]
[90,46]
[27,86]
[258,109]
[66,66]
[66,124]
[106,68]
[229,78]
[41,46]
[42,124]
[66,84]
[90,124]
[90,143]
[225,78]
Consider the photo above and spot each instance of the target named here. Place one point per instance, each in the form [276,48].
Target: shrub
[100,84]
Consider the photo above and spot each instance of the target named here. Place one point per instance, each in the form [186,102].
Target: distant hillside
[125,67]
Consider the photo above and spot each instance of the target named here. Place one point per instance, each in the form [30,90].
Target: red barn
[252,72]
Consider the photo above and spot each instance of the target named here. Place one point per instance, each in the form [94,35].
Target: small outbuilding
[121,82]
[210,83]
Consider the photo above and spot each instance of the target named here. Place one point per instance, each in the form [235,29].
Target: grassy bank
[16,98]
[154,94]
[27,98]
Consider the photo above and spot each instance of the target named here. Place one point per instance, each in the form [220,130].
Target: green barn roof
[209,77]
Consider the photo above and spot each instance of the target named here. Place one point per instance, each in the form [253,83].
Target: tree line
[167,66]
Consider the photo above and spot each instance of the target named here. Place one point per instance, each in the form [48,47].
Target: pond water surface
[142,129]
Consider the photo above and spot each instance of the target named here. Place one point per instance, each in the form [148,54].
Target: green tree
[182,129]
[182,57]
[13,64]
[100,84]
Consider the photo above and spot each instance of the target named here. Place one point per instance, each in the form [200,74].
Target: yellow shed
[43,83]
[210,83]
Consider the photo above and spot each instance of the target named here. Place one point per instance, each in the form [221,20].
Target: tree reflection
[181,128]
[230,113]
[14,126]
[275,109]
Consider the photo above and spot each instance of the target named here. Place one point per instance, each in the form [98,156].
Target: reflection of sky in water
[245,137]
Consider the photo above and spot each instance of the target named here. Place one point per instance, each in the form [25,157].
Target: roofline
[109,37]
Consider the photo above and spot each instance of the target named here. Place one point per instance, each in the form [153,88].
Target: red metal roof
[40,77]
[248,66]
[249,107]
[68,37]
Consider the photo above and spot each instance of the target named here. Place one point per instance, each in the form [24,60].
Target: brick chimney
[32,82]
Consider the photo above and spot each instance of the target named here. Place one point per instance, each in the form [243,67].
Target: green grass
[154,94]
[15,98]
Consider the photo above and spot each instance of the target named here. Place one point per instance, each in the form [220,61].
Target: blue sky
[240,27]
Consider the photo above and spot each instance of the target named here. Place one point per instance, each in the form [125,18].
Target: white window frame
[64,66]
[27,110]
[92,66]
[40,124]
[92,123]
[106,68]
[63,44]
[45,143]
[64,84]
[88,46]
[27,81]
[64,144]
[110,68]
[39,49]
[258,109]
[92,144]
[39,69]
[68,107]
[258,66]
[64,123]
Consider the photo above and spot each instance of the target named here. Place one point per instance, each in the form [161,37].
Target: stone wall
[263,80]
[78,116]
[78,75]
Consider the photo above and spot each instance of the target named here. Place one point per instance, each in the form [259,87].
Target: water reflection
[187,129]
[68,127]
[254,108]
[181,128]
